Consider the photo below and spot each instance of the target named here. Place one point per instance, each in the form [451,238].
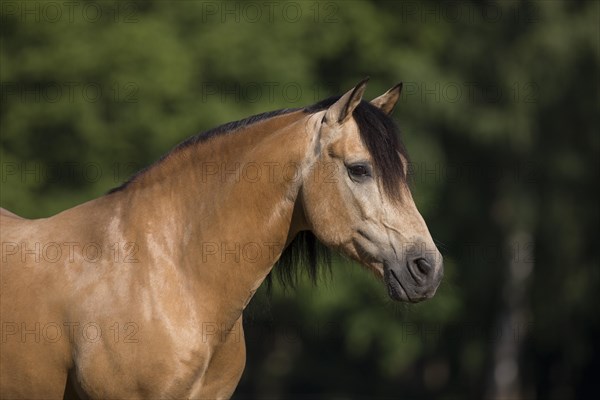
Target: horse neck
[220,212]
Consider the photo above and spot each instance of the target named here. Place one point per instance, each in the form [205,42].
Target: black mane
[380,135]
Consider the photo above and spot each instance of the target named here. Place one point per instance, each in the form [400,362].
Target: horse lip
[395,288]
[401,285]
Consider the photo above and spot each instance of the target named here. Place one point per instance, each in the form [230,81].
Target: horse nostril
[423,266]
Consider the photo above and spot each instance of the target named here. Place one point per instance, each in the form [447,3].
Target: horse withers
[140,293]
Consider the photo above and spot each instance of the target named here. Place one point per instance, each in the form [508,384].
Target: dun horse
[140,293]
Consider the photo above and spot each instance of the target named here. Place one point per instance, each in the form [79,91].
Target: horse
[140,293]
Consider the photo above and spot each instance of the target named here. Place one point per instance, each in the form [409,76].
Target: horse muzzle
[415,278]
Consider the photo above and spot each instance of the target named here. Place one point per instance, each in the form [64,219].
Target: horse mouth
[392,272]
[396,289]
[394,286]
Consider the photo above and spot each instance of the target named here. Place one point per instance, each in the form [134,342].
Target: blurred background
[500,116]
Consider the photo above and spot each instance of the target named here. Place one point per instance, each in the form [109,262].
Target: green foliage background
[499,113]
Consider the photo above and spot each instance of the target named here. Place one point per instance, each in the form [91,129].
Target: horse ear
[340,111]
[387,101]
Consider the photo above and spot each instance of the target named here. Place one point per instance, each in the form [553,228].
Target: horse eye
[358,170]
